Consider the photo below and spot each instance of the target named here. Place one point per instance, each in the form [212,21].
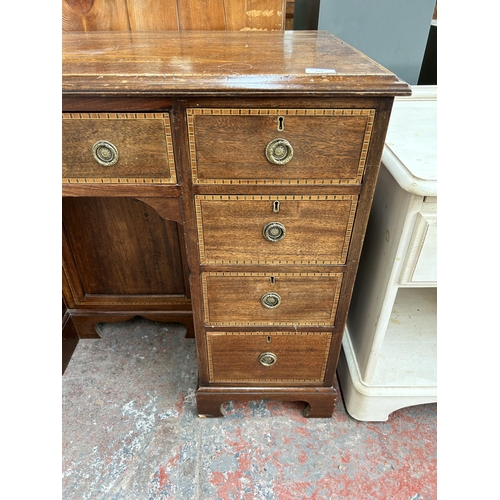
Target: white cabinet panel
[389,358]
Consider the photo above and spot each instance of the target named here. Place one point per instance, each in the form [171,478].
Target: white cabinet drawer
[420,268]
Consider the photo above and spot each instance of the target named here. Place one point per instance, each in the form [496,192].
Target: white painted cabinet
[389,358]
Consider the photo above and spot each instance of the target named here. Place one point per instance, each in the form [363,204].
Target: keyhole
[276,206]
[281,123]
[272,280]
[268,339]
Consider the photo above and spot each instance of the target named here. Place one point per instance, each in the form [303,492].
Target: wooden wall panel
[261,15]
[172,15]
[153,15]
[95,15]
[201,15]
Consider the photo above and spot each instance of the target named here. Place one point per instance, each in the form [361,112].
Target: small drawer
[263,357]
[278,146]
[248,230]
[114,148]
[420,267]
[266,299]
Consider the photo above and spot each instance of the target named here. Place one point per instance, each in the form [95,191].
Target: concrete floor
[131,432]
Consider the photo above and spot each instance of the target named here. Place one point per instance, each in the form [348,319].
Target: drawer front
[263,357]
[313,229]
[329,146]
[420,268]
[113,148]
[266,299]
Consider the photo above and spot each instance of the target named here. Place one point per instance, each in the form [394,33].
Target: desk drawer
[313,229]
[260,357]
[323,146]
[267,299]
[113,148]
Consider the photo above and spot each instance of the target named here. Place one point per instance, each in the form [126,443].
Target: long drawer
[278,146]
[274,229]
[117,147]
[268,357]
[266,299]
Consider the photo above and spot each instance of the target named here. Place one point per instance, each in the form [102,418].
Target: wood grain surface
[329,145]
[173,15]
[301,357]
[318,229]
[210,63]
[235,298]
[120,249]
[143,141]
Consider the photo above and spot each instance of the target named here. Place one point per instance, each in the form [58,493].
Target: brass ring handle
[270,300]
[274,231]
[267,358]
[105,153]
[279,151]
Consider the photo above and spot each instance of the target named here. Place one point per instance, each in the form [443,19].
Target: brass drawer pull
[274,231]
[267,358]
[270,300]
[105,153]
[279,151]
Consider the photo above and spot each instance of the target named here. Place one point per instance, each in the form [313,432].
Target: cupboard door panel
[122,248]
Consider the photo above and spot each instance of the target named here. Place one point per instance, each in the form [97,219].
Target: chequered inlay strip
[269,323]
[172,179]
[327,337]
[343,256]
[192,112]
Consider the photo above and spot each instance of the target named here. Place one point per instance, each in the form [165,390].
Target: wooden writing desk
[223,180]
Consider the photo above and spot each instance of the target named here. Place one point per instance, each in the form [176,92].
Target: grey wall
[305,15]
[392,32]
